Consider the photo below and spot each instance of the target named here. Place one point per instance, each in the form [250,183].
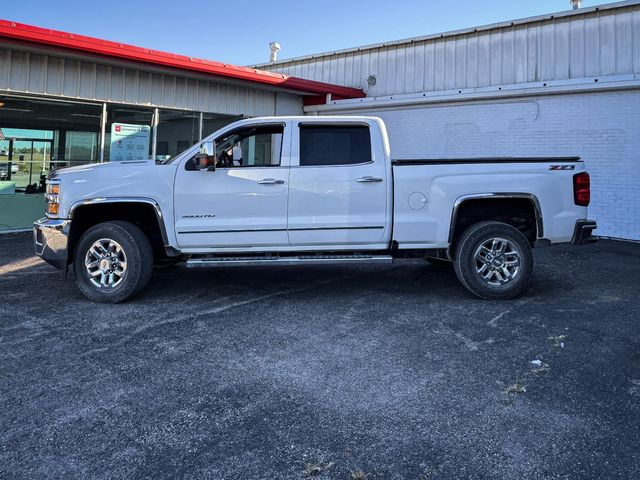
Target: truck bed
[426,195]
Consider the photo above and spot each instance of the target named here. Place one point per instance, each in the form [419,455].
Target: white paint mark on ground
[634,389]
[494,321]
[20,265]
[241,303]
[222,308]
[467,342]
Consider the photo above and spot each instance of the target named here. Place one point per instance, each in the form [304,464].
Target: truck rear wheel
[493,260]
[113,262]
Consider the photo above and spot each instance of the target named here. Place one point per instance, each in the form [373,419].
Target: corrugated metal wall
[587,43]
[46,74]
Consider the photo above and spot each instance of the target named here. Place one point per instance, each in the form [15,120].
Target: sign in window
[129,142]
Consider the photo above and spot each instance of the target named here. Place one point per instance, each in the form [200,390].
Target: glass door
[39,162]
[5,145]
[27,162]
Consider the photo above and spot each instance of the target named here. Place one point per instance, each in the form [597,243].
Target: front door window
[250,147]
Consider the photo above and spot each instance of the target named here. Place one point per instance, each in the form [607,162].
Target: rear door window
[334,145]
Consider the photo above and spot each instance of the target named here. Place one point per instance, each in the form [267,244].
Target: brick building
[561,84]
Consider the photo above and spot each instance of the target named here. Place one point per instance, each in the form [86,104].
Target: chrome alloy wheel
[497,261]
[106,263]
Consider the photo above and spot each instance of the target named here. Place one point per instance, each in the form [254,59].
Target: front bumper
[582,232]
[51,240]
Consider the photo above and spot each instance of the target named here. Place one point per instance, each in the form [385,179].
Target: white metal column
[103,127]
[154,126]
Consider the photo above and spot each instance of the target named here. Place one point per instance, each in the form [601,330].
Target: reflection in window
[30,152]
[128,134]
[255,146]
[177,131]
[81,147]
[212,122]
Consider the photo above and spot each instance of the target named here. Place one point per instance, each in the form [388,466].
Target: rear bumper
[51,241]
[582,232]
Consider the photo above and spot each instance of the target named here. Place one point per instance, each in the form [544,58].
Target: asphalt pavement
[323,372]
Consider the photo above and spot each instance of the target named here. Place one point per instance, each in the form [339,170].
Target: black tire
[471,271]
[439,262]
[135,250]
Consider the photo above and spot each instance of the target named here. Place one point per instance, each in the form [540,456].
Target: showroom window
[128,134]
[38,135]
[177,131]
[212,122]
[25,156]
[82,147]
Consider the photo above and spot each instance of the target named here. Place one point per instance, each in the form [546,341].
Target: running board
[297,260]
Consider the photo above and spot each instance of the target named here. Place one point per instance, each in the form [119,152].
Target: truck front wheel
[493,260]
[113,262]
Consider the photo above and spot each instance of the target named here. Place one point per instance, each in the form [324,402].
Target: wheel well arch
[521,210]
[145,213]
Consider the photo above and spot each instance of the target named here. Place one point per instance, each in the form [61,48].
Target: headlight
[52,199]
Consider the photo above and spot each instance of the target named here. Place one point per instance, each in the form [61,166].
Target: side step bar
[297,260]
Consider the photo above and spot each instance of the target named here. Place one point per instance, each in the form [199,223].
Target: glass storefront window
[177,131]
[37,135]
[212,122]
[25,156]
[128,135]
[82,147]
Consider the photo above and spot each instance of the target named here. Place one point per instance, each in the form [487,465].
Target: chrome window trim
[476,196]
[333,166]
[312,122]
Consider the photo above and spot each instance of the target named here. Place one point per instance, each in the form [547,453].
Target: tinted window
[334,145]
[258,146]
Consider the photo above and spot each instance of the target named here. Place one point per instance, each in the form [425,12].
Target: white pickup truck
[302,190]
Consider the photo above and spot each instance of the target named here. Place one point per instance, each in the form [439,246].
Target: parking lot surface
[324,372]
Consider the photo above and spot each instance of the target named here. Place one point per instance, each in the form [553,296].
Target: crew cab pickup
[309,190]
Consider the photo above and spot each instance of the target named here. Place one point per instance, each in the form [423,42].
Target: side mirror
[206,157]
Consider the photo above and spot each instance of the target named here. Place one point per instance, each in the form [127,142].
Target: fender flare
[478,196]
[145,200]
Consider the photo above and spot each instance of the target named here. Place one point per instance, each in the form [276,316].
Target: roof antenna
[275,48]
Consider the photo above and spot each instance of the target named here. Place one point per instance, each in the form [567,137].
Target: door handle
[270,181]
[369,179]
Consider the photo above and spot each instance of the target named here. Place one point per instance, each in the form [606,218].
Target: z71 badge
[562,167]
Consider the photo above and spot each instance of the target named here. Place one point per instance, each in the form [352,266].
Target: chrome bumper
[51,240]
[582,232]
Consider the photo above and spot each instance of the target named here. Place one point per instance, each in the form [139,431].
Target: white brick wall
[603,128]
